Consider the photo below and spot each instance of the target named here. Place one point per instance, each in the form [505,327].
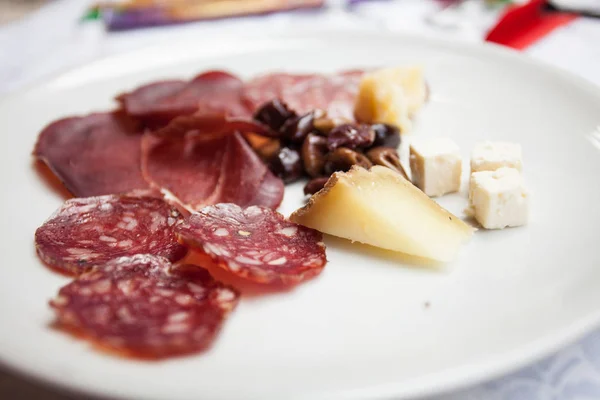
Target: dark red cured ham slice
[333,93]
[255,243]
[200,171]
[265,88]
[93,155]
[212,125]
[210,92]
[90,231]
[142,306]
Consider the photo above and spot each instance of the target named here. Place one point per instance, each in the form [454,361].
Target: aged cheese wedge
[380,208]
[391,96]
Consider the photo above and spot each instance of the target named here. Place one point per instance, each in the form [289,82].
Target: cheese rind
[489,156]
[498,199]
[380,208]
[436,166]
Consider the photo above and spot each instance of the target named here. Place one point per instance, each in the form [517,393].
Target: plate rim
[437,383]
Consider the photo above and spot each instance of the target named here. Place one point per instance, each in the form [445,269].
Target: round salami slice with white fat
[142,306]
[255,243]
[85,232]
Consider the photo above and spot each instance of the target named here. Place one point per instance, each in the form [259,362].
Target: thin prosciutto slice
[334,93]
[200,170]
[211,92]
[93,155]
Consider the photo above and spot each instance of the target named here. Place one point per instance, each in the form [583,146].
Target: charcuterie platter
[287,218]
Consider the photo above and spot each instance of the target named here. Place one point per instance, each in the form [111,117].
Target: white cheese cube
[498,199]
[489,156]
[436,166]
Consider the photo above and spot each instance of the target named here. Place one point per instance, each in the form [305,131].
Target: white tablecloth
[52,40]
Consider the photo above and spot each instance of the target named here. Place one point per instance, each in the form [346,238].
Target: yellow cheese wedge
[380,208]
[391,96]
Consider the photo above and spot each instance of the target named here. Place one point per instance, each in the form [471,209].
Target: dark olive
[343,159]
[352,136]
[386,135]
[297,128]
[314,151]
[387,157]
[316,184]
[274,114]
[287,165]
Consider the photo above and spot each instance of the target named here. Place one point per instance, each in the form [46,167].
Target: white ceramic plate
[362,329]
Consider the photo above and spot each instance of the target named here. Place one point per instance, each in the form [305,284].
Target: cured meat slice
[255,243]
[265,88]
[210,92]
[90,231]
[142,306]
[200,171]
[334,93]
[93,155]
[212,125]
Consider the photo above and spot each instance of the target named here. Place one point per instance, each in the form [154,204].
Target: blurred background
[39,38]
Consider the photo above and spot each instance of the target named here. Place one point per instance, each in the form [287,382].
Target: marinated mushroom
[387,157]
[316,184]
[314,151]
[342,159]
[324,125]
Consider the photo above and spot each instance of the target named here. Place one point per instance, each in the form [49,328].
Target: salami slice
[85,232]
[255,243]
[210,92]
[334,93]
[93,155]
[141,306]
[200,170]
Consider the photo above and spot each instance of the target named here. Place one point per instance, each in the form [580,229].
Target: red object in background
[523,25]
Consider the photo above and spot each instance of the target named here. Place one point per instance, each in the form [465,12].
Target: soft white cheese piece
[498,199]
[489,156]
[436,166]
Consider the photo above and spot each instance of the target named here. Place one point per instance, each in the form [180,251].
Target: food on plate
[342,159]
[93,155]
[489,156]
[85,232]
[255,243]
[222,149]
[143,306]
[436,166]
[392,96]
[317,146]
[304,93]
[387,157]
[199,171]
[211,125]
[157,103]
[380,208]
[498,199]
[315,184]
